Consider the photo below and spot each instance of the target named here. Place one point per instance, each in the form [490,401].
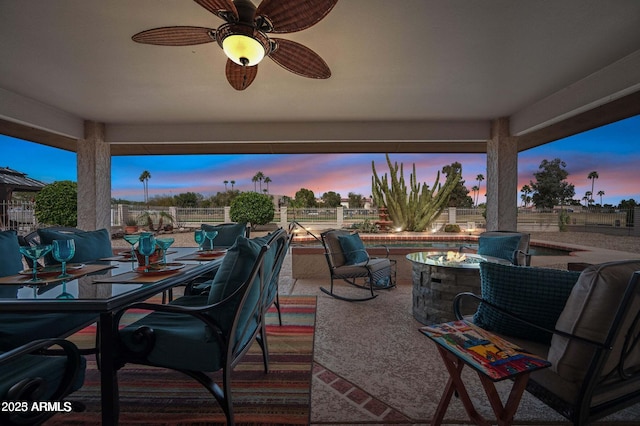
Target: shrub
[57,204]
[452,227]
[252,208]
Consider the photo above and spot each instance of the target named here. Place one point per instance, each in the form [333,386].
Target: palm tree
[588,195]
[479,178]
[267,180]
[233,182]
[601,193]
[259,177]
[593,176]
[225,185]
[526,191]
[475,189]
[144,178]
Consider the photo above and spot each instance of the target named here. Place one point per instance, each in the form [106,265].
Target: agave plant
[151,216]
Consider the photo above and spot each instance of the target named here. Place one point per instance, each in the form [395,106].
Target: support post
[502,179]
[94,178]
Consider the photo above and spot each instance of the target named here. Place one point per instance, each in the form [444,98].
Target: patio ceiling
[407,76]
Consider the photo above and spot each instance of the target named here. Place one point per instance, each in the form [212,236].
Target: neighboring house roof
[17,181]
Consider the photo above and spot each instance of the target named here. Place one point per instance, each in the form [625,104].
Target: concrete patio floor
[373,366]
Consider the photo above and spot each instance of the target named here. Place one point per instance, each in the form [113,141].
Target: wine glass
[210,235]
[198,236]
[146,247]
[63,251]
[65,294]
[34,253]
[164,244]
[132,239]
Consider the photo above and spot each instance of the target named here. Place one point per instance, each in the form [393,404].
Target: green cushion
[353,249]
[535,294]
[90,245]
[10,257]
[502,246]
[227,234]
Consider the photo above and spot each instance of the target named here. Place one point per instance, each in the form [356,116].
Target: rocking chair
[348,260]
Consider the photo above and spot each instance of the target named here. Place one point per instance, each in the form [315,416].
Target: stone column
[94,178]
[502,178]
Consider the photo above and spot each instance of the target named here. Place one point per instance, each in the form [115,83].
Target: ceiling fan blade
[240,77]
[299,59]
[224,9]
[287,16]
[175,36]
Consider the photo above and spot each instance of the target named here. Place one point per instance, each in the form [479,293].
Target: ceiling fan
[243,36]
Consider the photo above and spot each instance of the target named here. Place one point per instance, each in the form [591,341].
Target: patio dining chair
[201,334]
[29,374]
[349,261]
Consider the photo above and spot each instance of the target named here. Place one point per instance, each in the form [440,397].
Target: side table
[461,343]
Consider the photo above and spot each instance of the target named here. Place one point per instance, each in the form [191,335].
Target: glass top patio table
[90,293]
[105,299]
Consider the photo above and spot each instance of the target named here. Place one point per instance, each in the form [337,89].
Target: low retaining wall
[310,262]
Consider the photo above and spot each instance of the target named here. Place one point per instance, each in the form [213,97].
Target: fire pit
[438,277]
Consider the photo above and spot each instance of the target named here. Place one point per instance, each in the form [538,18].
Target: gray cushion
[10,257]
[90,245]
[537,295]
[589,313]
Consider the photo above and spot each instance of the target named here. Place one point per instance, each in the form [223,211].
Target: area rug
[154,396]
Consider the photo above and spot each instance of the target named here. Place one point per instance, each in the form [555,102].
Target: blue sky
[613,151]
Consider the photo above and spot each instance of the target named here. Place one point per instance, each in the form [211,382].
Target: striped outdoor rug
[153,396]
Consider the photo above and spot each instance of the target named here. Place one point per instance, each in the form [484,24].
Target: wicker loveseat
[593,342]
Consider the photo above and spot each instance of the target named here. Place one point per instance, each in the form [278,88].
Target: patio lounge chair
[510,245]
[593,342]
[348,260]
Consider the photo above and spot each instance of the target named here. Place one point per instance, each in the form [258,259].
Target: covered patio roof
[407,76]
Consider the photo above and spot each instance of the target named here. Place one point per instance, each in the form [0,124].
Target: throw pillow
[537,295]
[11,259]
[227,234]
[353,249]
[90,245]
[502,247]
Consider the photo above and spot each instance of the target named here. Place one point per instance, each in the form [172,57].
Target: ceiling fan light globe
[241,48]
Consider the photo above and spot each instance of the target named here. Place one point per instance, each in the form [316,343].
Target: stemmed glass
[198,236]
[65,294]
[146,247]
[210,235]
[164,244]
[63,251]
[132,239]
[34,253]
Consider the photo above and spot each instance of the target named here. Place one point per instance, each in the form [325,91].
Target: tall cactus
[417,209]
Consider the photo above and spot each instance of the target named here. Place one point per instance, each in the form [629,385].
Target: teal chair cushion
[49,368]
[227,234]
[503,247]
[90,245]
[10,257]
[353,249]
[537,295]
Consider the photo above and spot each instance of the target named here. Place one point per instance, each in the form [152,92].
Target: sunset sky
[613,151]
